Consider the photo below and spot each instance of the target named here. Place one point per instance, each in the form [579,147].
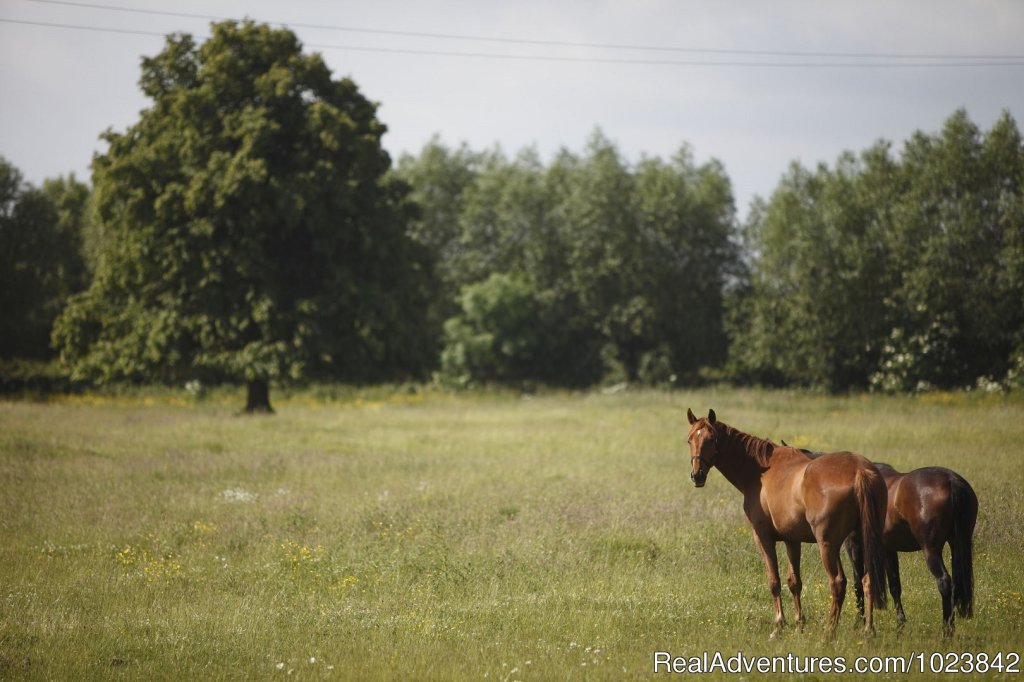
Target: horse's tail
[872,497]
[964,504]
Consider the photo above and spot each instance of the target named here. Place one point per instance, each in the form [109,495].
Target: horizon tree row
[250,227]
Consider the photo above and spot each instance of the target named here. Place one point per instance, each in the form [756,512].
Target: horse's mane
[760,448]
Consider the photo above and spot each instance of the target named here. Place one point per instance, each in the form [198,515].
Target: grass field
[424,535]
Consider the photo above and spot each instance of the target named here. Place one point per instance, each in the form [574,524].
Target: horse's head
[703,440]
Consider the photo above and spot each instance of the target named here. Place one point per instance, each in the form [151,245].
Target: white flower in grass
[238,495]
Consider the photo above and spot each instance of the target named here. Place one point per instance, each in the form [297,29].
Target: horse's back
[839,469]
[833,481]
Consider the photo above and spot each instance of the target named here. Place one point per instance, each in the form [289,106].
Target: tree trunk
[258,400]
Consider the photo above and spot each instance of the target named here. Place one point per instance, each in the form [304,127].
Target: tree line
[896,272]
[250,227]
[574,271]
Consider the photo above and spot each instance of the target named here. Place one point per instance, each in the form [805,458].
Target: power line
[553,43]
[102,29]
[667,62]
[577,60]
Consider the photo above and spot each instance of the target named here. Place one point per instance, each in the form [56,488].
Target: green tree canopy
[958,238]
[41,262]
[247,228]
[623,267]
[890,272]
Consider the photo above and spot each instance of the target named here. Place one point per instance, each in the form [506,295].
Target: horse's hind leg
[855,551]
[892,570]
[933,558]
[836,580]
[793,580]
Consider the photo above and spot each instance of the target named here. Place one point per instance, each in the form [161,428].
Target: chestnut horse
[928,508]
[790,497]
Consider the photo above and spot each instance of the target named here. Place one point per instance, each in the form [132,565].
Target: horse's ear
[711,416]
[689,415]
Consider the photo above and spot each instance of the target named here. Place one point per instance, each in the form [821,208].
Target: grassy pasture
[400,535]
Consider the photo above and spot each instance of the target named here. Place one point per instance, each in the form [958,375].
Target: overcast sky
[60,87]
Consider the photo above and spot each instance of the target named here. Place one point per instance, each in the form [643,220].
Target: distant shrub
[495,337]
[509,332]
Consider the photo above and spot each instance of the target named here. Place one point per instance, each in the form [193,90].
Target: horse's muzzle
[699,478]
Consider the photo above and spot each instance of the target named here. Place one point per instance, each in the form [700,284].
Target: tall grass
[410,535]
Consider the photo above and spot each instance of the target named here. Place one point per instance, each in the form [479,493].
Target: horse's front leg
[766,545]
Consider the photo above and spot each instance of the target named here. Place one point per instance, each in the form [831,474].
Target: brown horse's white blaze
[791,498]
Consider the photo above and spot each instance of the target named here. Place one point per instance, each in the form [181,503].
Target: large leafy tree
[439,178]
[685,259]
[247,227]
[41,261]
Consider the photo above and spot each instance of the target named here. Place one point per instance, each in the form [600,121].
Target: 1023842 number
[969,663]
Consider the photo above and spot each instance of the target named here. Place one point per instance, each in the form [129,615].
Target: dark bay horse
[928,508]
[790,497]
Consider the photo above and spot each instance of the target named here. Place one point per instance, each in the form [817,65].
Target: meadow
[415,534]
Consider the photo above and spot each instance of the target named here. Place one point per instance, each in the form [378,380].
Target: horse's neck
[742,457]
